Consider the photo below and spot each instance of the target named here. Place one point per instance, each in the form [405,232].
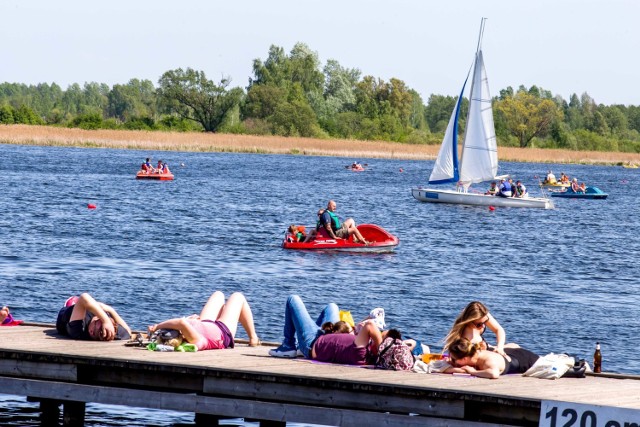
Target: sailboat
[479,158]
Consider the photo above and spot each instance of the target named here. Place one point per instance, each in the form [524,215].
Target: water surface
[557,280]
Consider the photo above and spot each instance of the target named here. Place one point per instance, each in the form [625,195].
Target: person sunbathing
[84,318]
[216,326]
[468,358]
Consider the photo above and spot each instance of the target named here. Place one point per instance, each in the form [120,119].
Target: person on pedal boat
[330,221]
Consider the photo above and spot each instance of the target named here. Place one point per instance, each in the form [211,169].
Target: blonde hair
[473,311]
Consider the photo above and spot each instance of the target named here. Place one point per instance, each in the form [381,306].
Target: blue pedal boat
[590,193]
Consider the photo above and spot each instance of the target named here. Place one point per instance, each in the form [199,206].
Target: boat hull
[380,241]
[155,176]
[593,193]
[556,185]
[472,199]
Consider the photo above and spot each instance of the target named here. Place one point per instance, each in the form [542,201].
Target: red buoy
[491,208]
[91,206]
[401,170]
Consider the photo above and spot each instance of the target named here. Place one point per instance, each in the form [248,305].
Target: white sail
[446,167]
[479,160]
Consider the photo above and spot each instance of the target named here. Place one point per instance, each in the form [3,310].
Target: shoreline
[204,142]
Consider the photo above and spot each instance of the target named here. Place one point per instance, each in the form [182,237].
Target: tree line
[294,94]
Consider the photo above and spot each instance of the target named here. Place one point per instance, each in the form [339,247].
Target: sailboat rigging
[479,158]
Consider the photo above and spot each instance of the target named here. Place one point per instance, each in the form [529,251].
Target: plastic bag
[551,367]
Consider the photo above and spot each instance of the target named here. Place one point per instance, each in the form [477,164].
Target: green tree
[526,116]
[192,96]
[136,99]
[6,115]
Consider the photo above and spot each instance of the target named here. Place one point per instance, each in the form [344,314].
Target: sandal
[255,343]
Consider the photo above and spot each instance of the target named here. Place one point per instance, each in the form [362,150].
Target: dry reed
[207,142]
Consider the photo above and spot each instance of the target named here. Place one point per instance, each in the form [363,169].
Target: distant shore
[206,142]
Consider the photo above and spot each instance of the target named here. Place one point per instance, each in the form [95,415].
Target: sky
[564,46]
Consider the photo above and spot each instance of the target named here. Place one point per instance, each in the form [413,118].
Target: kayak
[156,176]
[590,193]
[380,240]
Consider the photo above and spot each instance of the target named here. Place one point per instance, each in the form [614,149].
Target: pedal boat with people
[589,193]
[378,240]
[155,176]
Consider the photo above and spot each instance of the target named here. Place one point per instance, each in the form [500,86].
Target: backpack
[394,354]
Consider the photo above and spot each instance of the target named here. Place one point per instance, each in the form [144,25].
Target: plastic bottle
[597,359]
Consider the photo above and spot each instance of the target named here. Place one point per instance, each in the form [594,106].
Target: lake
[556,280]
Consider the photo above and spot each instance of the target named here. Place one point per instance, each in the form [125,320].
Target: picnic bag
[394,354]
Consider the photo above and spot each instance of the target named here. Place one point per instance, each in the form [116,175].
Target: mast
[475,63]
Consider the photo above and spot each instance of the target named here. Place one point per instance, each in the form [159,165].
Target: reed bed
[208,142]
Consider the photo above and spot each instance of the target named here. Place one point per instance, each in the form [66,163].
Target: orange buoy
[91,206]
[491,208]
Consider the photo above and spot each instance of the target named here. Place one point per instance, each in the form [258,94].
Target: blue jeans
[298,324]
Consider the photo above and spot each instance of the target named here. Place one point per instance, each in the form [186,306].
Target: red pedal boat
[380,240]
[155,176]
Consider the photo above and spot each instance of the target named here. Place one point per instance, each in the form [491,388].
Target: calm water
[557,280]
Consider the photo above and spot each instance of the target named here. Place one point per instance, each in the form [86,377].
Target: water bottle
[597,359]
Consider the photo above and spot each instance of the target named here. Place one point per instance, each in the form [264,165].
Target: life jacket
[335,221]
[519,189]
[505,186]
[492,190]
[301,233]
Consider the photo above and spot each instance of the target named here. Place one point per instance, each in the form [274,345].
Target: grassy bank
[201,142]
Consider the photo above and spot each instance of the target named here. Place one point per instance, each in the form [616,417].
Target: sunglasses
[480,325]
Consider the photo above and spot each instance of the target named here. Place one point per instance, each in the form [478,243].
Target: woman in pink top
[217,324]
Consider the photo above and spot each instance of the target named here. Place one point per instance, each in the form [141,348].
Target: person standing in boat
[330,221]
[468,358]
[519,190]
[471,324]
[84,318]
[505,189]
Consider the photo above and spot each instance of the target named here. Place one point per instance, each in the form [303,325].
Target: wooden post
[73,414]
[202,420]
[49,412]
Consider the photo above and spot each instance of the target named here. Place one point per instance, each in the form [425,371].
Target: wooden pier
[246,382]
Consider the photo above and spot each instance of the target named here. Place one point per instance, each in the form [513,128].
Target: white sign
[567,414]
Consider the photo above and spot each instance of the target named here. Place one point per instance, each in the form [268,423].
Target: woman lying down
[467,358]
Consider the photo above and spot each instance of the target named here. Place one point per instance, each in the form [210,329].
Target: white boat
[479,158]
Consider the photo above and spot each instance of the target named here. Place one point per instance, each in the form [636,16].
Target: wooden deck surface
[39,354]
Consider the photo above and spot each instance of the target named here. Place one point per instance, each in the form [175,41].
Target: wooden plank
[225,407]
[54,371]
[333,398]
